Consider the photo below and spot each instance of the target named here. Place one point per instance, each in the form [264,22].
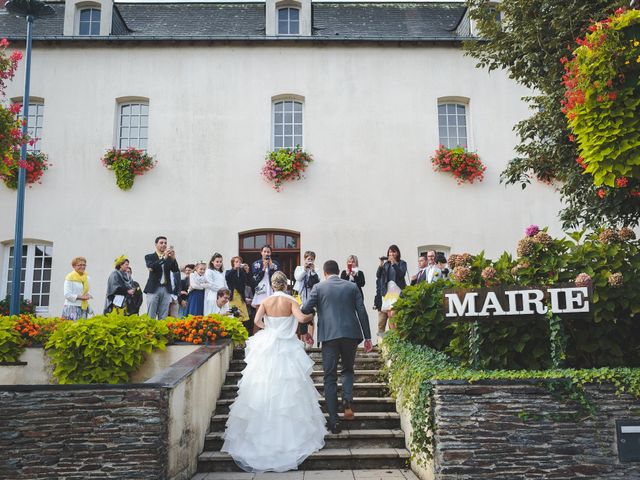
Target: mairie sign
[516,302]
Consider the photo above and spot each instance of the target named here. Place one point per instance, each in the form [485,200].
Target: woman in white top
[76,291]
[215,279]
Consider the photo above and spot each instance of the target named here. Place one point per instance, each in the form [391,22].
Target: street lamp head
[29,8]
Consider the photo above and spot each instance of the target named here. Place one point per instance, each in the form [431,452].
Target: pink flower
[531,230]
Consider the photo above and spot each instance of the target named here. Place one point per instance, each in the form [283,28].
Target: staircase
[372,441]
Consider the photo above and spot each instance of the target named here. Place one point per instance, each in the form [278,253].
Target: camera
[383,258]
[268,257]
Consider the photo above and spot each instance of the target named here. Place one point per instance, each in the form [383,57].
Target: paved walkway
[313,475]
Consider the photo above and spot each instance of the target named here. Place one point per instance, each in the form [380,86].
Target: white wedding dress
[275,421]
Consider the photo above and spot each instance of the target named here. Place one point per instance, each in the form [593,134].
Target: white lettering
[491,302]
[458,309]
[532,297]
[513,306]
[555,301]
[576,300]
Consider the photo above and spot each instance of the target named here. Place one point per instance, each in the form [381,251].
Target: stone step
[360,376]
[382,438]
[360,404]
[372,389]
[363,421]
[316,354]
[361,363]
[325,459]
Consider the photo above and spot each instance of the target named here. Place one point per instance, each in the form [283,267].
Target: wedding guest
[76,292]
[135,302]
[197,285]
[353,273]
[390,280]
[306,277]
[222,301]
[420,276]
[119,287]
[216,281]
[159,288]
[441,261]
[184,289]
[237,279]
[433,272]
[261,271]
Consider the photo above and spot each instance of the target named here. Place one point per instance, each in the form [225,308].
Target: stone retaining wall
[518,430]
[112,431]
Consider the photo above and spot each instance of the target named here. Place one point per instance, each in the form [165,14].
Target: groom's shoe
[335,427]
[348,411]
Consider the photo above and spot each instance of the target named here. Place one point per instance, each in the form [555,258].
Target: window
[36,121]
[287,124]
[133,125]
[35,277]
[89,23]
[288,21]
[452,125]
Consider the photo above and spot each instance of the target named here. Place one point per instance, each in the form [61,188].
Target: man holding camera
[161,284]
[261,273]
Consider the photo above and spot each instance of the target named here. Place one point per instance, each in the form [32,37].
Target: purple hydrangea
[531,230]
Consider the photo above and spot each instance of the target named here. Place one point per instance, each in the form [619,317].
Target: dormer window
[288,21]
[89,21]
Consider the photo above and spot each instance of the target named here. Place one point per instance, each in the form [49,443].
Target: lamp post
[30,9]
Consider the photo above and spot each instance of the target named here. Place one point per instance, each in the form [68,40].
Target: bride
[275,421]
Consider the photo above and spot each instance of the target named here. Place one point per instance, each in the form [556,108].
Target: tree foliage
[528,41]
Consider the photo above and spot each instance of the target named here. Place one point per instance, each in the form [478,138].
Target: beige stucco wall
[191,404]
[370,120]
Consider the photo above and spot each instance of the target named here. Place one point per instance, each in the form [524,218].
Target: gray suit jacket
[341,310]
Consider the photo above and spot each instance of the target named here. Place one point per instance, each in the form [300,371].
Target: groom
[342,322]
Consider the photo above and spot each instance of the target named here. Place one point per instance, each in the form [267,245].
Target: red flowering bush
[197,329]
[8,64]
[127,164]
[465,166]
[35,165]
[602,101]
[285,164]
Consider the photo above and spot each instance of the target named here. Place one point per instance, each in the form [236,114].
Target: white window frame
[35,130]
[288,8]
[81,8]
[284,100]
[29,272]
[455,101]
[132,141]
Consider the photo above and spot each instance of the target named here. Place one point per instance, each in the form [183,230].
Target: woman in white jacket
[215,280]
[76,292]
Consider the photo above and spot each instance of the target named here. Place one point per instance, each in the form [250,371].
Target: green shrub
[105,348]
[236,331]
[11,342]
[610,336]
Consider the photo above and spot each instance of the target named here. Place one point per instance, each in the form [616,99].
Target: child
[306,277]
[197,285]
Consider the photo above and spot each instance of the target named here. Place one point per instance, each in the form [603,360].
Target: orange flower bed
[197,330]
[36,330]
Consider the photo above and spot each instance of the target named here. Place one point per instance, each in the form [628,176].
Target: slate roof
[246,21]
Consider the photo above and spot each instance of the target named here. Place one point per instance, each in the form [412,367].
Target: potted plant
[285,164]
[465,166]
[126,164]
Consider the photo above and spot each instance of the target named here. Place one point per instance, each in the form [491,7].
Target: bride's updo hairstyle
[279,282]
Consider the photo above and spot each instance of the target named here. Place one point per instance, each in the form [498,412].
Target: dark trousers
[343,349]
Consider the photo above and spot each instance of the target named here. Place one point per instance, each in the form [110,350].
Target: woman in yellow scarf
[76,292]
